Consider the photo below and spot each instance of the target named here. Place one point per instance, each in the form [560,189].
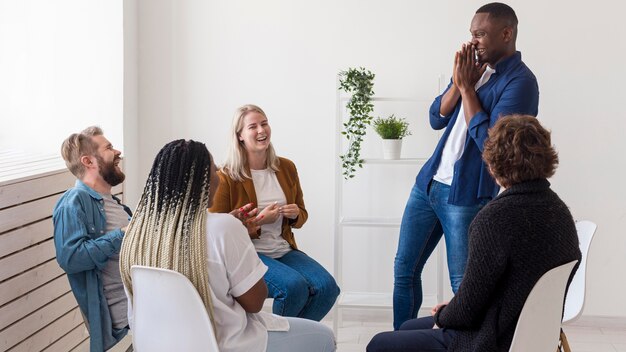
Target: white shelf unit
[374,300]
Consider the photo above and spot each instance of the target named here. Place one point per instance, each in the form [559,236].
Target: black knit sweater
[515,239]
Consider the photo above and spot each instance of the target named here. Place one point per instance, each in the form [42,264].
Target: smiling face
[108,160]
[255,132]
[492,39]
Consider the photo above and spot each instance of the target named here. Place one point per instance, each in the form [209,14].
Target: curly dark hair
[519,149]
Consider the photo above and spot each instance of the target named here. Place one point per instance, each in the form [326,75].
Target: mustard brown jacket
[233,194]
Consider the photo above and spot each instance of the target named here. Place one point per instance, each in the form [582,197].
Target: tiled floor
[588,334]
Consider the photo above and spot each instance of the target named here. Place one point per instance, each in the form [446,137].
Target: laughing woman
[254,175]
[171,229]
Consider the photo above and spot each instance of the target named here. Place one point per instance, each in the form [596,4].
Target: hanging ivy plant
[358,83]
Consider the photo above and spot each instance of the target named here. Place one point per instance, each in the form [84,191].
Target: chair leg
[564,342]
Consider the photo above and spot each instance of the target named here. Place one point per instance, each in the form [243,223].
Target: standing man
[89,224]
[489,80]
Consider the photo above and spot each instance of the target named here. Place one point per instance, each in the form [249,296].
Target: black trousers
[415,335]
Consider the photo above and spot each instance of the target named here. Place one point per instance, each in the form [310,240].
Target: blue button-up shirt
[83,249]
[512,89]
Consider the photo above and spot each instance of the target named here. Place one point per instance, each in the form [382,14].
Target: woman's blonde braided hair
[168,229]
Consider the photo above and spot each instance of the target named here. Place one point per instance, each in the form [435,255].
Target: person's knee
[334,290]
[403,269]
[289,286]
[290,296]
[378,342]
[293,298]
[423,323]
[327,287]
[297,288]
[408,325]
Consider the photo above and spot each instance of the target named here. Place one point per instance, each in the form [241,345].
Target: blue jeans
[303,335]
[300,286]
[416,335]
[426,217]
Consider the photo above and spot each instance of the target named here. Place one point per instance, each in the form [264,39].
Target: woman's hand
[290,211]
[268,215]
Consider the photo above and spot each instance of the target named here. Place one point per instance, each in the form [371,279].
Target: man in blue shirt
[89,224]
[489,80]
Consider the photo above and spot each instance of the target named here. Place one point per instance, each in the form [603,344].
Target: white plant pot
[392,148]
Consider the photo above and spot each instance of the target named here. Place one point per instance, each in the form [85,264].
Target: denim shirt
[512,89]
[83,249]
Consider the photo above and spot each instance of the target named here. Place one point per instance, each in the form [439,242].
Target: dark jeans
[415,335]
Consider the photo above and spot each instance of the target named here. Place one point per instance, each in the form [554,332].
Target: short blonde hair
[77,145]
[236,164]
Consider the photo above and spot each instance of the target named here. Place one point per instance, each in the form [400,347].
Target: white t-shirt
[268,191]
[234,268]
[453,149]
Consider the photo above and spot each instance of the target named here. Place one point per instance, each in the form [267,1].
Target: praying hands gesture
[465,74]
[467,70]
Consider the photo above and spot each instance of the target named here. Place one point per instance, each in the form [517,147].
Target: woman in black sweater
[515,239]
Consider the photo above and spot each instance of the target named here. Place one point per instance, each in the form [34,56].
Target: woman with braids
[172,229]
[520,235]
[254,175]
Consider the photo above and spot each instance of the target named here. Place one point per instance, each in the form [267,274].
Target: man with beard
[89,224]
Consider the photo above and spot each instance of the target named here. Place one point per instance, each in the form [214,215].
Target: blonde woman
[172,229]
[253,176]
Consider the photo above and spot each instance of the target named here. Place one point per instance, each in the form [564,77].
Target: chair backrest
[539,323]
[168,313]
[575,300]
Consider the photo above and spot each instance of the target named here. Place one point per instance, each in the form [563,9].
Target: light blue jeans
[426,217]
[304,336]
[300,286]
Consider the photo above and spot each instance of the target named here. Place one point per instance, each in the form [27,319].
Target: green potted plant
[359,83]
[392,130]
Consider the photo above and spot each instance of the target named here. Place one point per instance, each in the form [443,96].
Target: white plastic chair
[539,323]
[169,314]
[575,300]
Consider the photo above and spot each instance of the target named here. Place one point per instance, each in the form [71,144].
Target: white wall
[60,71]
[133,182]
[198,60]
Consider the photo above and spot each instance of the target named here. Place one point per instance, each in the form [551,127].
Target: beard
[110,173]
